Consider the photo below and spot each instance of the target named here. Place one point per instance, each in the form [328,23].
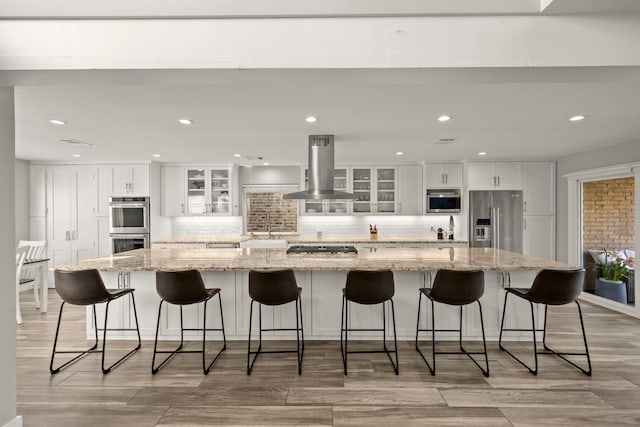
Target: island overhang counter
[322,277]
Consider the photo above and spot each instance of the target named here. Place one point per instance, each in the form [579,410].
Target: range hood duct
[321,158]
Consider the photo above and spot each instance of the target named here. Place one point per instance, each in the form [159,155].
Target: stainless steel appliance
[444,201]
[128,223]
[129,215]
[495,220]
[315,249]
[128,242]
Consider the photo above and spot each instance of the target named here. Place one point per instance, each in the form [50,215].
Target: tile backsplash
[206,226]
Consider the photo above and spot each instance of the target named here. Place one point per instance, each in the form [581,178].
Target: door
[509,220]
[60,205]
[453,175]
[480,176]
[83,220]
[340,183]
[410,190]
[435,175]
[219,191]
[139,181]
[121,180]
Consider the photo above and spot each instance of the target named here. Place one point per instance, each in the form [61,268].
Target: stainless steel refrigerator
[495,220]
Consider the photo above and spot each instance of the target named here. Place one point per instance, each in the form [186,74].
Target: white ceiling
[510,113]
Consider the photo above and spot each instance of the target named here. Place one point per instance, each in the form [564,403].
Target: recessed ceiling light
[399,153]
[76,155]
[237,155]
[156,155]
[185,121]
[482,153]
[577,118]
[57,122]
[311,119]
[266,163]
[444,118]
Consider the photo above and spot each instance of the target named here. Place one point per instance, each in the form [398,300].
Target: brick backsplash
[608,214]
[266,210]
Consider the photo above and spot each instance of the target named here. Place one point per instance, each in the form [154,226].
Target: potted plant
[610,284]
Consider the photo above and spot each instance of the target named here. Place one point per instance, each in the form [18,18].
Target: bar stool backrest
[181,287]
[84,287]
[458,287]
[273,287]
[557,287]
[369,287]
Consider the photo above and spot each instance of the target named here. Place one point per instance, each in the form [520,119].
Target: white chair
[21,254]
[36,250]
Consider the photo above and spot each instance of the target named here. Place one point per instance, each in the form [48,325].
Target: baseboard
[16,422]
[612,305]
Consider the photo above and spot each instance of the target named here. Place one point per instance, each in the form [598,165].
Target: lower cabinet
[539,236]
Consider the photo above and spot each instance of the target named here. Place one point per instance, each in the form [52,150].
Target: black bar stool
[86,287]
[368,287]
[185,288]
[274,288]
[550,287]
[453,288]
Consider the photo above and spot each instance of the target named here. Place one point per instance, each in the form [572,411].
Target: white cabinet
[208,191]
[329,207]
[71,213]
[410,190]
[375,189]
[539,188]
[494,176]
[539,237]
[443,175]
[173,184]
[120,180]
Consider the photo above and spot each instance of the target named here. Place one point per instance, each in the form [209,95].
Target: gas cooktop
[319,249]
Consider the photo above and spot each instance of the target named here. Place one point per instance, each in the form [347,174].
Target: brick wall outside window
[270,208]
[608,214]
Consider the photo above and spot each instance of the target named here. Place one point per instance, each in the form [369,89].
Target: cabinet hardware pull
[446,178]
[182,208]
[442,178]
[67,235]
[525,206]
[73,235]
[498,181]
[494,181]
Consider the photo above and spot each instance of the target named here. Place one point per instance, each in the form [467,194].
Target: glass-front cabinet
[208,191]
[375,189]
[329,207]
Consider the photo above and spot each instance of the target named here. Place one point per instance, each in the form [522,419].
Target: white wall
[7,265]
[22,199]
[607,156]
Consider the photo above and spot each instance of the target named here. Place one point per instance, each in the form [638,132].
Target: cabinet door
[539,238]
[509,175]
[219,191]
[539,188]
[172,180]
[60,203]
[83,220]
[121,180]
[453,175]
[105,189]
[196,192]
[139,182]
[340,183]
[434,175]
[362,185]
[481,176]
[37,190]
[410,190]
[386,190]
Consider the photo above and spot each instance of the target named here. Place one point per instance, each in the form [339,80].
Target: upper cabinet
[539,188]
[375,189]
[329,207]
[208,191]
[443,175]
[122,181]
[410,190]
[494,175]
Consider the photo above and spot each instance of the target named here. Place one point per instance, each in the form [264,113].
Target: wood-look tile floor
[371,395]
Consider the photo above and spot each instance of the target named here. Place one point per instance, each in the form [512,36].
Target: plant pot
[611,289]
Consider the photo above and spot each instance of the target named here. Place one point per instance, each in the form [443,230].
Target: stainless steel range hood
[321,158]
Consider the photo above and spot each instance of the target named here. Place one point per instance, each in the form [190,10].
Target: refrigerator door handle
[496,212]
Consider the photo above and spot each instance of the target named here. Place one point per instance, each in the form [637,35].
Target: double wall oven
[128,223]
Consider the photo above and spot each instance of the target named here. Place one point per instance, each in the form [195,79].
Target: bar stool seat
[368,287]
[273,288]
[457,288]
[550,287]
[185,288]
[86,288]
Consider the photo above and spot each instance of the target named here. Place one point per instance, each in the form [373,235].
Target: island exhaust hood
[321,158]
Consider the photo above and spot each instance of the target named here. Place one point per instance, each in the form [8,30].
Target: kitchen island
[322,277]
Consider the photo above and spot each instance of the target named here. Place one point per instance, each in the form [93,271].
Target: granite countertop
[397,259]
[315,240]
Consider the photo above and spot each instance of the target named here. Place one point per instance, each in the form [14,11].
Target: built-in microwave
[444,201]
[129,215]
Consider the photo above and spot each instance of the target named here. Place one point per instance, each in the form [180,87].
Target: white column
[7,265]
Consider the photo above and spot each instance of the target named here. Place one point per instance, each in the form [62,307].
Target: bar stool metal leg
[104,339]
[588,371]
[78,353]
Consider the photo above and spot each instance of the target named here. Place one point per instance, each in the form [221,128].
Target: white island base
[321,301]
